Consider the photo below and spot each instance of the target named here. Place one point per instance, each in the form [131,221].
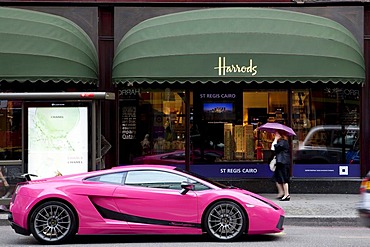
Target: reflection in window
[319,138]
[160,135]
[326,121]
[350,138]
[10,130]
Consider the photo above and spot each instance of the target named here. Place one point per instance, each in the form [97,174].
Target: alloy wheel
[52,222]
[225,221]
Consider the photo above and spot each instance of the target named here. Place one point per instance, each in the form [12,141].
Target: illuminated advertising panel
[57,139]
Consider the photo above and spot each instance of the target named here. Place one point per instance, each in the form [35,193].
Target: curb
[295,220]
[323,221]
[4,219]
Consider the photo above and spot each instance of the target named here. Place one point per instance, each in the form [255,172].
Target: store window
[326,121]
[225,126]
[10,130]
[160,130]
[10,145]
[224,136]
[260,108]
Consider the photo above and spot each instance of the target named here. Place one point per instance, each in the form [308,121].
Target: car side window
[110,178]
[177,156]
[160,179]
[350,138]
[155,179]
[319,138]
[199,186]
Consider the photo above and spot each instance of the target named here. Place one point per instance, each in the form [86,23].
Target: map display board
[57,140]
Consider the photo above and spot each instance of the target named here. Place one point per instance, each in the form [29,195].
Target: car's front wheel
[53,222]
[225,221]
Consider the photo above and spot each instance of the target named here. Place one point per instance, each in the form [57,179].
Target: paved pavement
[320,209]
[309,209]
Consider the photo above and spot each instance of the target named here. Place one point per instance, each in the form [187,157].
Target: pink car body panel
[168,206]
[153,210]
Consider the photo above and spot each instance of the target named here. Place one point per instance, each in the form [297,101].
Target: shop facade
[250,67]
[193,82]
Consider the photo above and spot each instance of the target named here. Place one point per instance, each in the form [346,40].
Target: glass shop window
[10,145]
[225,125]
[10,130]
[326,121]
[161,125]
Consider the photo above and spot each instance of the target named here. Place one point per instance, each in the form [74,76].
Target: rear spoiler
[28,176]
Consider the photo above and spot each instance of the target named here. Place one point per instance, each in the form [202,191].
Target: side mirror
[186,186]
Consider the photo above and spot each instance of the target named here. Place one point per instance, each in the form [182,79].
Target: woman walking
[282,172]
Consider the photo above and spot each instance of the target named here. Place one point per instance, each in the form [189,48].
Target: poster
[128,123]
[57,140]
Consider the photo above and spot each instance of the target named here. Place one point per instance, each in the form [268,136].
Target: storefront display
[224,127]
[245,74]
[242,142]
[10,130]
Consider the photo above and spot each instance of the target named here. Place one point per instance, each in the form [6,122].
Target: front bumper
[363,209]
[17,228]
[364,216]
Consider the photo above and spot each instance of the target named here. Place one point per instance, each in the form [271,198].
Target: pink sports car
[139,199]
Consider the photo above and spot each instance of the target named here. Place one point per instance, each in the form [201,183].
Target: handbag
[273,164]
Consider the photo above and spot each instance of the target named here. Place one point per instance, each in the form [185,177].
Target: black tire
[53,222]
[225,221]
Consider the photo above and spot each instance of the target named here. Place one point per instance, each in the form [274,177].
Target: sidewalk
[320,209]
[309,209]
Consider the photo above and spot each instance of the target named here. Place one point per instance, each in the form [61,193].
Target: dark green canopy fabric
[238,45]
[36,46]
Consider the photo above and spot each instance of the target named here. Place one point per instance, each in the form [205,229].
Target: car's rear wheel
[53,222]
[225,221]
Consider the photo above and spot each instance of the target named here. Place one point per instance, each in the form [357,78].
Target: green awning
[36,46]
[238,45]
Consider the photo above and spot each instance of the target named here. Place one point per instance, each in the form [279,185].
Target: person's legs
[285,184]
[286,196]
[280,190]
[286,189]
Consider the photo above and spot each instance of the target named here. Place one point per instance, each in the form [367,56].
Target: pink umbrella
[272,127]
